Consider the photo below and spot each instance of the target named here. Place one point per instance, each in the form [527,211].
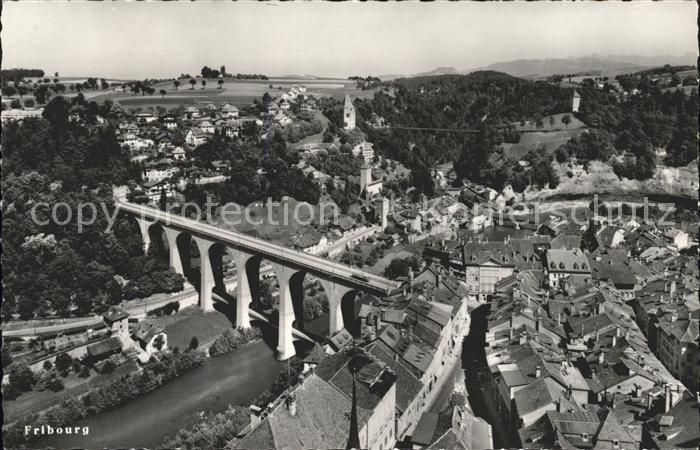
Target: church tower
[576,102]
[348,114]
[365,176]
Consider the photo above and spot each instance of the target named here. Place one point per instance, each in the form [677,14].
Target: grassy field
[237,92]
[279,223]
[551,123]
[189,322]
[551,140]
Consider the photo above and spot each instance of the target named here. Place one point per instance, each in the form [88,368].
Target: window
[616,443]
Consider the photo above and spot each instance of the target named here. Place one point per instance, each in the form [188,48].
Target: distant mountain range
[533,68]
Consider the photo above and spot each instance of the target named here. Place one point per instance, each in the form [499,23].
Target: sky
[165,39]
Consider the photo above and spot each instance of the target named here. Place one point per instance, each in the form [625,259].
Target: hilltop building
[576,102]
[367,186]
[348,114]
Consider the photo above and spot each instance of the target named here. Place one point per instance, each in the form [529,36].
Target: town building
[348,388]
[569,265]
[369,187]
[348,114]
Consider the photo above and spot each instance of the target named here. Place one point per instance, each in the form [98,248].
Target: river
[234,378]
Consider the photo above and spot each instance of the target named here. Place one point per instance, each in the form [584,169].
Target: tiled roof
[100,348]
[573,261]
[115,314]
[537,395]
[320,421]
[407,385]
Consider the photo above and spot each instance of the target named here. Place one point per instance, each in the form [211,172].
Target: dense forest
[421,114]
[257,171]
[49,268]
[640,123]
[481,106]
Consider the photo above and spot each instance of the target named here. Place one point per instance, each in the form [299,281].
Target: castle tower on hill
[369,188]
[576,102]
[348,114]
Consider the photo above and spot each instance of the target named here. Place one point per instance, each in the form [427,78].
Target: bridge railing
[350,275]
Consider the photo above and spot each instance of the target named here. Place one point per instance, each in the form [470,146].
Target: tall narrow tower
[575,102]
[365,176]
[348,114]
[354,436]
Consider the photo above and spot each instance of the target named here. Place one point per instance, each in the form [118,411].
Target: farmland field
[237,92]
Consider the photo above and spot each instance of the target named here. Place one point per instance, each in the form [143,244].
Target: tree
[23,379]
[566,120]
[176,83]
[162,93]
[158,342]
[163,200]
[63,363]
[204,84]
[221,83]
[47,365]
[8,91]
[84,372]
[194,343]
[399,267]
[192,83]
[55,384]
[29,103]
[15,104]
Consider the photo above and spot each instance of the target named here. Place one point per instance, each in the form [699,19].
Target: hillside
[587,64]
[600,179]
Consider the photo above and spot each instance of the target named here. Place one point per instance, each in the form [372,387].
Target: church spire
[354,438]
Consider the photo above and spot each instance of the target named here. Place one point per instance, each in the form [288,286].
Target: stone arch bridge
[340,282]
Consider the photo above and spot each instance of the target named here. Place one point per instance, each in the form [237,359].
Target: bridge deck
[340,273]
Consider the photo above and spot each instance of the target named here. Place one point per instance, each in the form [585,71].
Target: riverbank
[235,378]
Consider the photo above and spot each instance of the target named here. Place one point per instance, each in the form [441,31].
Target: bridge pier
[285,342]
[206,284]
[144,225]
[175,259]
[335,293]
[243,296]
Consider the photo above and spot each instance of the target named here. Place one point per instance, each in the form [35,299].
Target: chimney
[559,318]
[674,316]
[410,275]
[292,404]
[614,341]
[601,358]
[667,398]
[378,321]
[538,372]
[255,413]
[539,322]
[649,401]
